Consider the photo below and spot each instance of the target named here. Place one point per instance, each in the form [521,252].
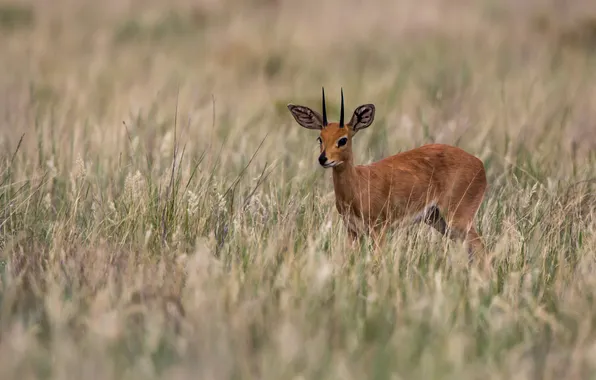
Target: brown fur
[439,184]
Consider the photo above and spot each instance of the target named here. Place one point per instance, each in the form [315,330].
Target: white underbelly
[424,213]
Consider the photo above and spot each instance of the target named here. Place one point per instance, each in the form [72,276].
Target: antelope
[439,184]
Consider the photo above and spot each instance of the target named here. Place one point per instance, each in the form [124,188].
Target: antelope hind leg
[432,217]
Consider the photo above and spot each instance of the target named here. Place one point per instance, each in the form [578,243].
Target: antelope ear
[306,117]
[363,117]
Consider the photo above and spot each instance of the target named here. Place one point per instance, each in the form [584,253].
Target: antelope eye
[343,141]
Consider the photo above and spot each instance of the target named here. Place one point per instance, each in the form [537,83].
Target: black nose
[322,159]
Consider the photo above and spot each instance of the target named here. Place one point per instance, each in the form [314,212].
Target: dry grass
[162,216]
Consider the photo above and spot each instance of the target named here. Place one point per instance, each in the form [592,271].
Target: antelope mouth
[332,164]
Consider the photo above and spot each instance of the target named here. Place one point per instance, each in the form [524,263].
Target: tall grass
[162,216]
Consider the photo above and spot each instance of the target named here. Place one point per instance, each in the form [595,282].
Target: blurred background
[483,74]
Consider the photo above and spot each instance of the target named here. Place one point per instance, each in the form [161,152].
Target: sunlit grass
[162,216]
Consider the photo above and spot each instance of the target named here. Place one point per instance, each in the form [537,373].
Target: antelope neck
[344,179]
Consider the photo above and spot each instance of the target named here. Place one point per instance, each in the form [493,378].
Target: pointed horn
[341,115]
[324,108]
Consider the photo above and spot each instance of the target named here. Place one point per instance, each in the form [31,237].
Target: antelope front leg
[354,238]
[379,235]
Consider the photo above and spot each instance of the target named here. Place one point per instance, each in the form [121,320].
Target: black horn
[324,108]
[341,115]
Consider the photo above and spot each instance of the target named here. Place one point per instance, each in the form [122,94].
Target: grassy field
[163,216]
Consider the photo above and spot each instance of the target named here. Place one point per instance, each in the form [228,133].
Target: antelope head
[335,139]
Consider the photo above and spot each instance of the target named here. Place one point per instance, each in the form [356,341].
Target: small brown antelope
[439,184]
